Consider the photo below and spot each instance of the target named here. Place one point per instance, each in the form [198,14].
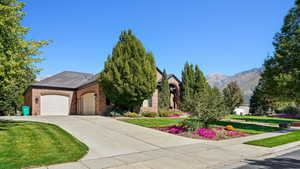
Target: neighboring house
[74,93]
[242,110]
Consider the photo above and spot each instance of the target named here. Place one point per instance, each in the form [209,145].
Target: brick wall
[36,94]
[100,97]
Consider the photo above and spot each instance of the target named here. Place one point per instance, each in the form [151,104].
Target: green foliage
[233,96]
[150,114]
[17,55]
[193,84]
[131,115]
[209,107]
[190,124]
[129,75]
[164,94]
[292,110]
[165,113]
[259,104]
[282,70]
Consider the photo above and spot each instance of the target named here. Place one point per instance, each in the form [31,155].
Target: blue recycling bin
[25,110]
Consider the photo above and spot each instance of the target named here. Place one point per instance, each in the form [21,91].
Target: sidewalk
[209,154]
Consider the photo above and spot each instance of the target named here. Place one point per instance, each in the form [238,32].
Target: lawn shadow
[273,163]
[6,124]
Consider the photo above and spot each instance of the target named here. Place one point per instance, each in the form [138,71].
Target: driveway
[118,145]
[108,137]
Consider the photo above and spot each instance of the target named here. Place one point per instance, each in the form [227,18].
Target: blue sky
[225,36]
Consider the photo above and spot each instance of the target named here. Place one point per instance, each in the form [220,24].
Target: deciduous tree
[17,55]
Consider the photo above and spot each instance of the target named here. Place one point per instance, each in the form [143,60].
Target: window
[147,103]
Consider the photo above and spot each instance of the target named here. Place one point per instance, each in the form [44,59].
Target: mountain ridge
[247,80]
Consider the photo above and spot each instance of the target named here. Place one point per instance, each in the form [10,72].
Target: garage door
[54,105]
[89,104]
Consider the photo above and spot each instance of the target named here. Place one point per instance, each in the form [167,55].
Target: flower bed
[214,133]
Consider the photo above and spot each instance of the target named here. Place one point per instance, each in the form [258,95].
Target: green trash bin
[25,110]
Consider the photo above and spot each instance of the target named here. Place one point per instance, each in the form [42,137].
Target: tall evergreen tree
[233,96]
[193,84]
[282,70]
[17,55]
[164,93]
[129,74]
[258,101]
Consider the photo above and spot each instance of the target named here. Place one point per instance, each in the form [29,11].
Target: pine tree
[164,94]
[233,96]
[129,75]
[193,85]
[258,103]
[282,70]
[17,55]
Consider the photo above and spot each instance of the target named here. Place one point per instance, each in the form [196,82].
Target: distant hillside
[247,80]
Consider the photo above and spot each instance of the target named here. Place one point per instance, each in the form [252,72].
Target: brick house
[74,93]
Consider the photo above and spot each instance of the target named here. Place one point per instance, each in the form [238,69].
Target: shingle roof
[67,79]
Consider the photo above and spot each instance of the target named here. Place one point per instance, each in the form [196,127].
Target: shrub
[150,114]
[131,115]
[291,110]
[190,124]
[165,114]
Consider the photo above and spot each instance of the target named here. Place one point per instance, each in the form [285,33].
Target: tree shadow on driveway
[272,163]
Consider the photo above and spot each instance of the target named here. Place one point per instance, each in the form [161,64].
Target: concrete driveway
[118,145]
[108,137]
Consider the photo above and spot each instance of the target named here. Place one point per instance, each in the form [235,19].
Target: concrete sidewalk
[126,146]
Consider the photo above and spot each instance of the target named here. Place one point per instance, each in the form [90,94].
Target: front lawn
[262,119]
[163,122]
[277,140]
[153,122]
[27,144]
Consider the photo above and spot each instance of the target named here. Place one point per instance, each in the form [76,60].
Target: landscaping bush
[150,114]
[291,110]
[190,124]
[165,114]
[131,115]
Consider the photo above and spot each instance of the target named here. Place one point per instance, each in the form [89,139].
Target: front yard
[242,126]
[218,130]
[27,144]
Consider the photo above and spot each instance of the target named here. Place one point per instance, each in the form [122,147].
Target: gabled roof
[67,79]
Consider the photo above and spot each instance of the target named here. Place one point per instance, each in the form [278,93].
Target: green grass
[261,119]
[277,140]
[154,122]
[27,144]
[248,128]
[161,122]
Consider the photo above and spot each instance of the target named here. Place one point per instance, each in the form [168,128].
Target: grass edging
[276,140]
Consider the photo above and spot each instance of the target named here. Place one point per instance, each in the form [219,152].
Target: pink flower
[206,133]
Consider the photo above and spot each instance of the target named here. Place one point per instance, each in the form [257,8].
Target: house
[75,93]
[242,110]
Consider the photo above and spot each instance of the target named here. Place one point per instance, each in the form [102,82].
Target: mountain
[247,80]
